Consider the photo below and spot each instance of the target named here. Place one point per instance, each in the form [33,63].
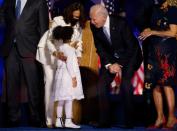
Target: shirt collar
[107,23]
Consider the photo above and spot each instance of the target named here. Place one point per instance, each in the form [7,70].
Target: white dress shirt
[106,29]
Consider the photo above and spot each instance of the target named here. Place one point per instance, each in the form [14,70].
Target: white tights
[68,108]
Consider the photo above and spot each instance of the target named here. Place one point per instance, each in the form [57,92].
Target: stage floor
[84,128]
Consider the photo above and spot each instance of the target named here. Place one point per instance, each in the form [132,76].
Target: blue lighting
[1,2]
[1,40]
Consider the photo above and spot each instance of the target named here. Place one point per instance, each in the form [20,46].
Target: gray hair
[99,9]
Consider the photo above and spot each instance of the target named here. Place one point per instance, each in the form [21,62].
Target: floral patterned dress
[162,57]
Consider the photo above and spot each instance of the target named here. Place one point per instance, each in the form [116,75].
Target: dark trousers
[23,72]
[105,78]
[103,86]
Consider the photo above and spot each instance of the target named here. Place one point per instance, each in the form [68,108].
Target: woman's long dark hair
[68,13]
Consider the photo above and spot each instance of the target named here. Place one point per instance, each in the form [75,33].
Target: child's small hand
[79,60]
[74,81]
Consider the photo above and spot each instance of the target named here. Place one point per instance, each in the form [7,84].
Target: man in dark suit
[119,51]
[26,21]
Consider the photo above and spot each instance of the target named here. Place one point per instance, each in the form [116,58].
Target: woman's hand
[59,55]
[145,34]
[74,44]
[79,60]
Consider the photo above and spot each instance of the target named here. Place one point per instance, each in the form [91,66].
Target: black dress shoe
[13,124]
[38,124]
[103,126]
[100,125]
[129,127]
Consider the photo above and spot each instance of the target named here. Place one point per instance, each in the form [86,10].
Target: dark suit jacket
[124,50]
[27,30]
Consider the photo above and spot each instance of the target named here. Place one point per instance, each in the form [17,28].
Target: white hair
[99,9]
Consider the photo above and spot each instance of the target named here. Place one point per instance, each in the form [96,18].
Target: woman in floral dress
[162,60]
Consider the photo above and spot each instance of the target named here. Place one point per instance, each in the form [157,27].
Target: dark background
[141,107]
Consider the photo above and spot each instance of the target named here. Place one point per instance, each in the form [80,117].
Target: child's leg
[68,108]
[59,121]
[60,108]
[69,113]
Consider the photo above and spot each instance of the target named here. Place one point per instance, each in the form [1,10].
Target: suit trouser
[103,86]
[49,74]
[16,68]
[105,78]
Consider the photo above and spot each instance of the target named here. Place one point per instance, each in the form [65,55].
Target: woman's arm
[52,48]
[168,33]
[77,37]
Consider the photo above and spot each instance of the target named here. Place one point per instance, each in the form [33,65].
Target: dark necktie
[18,8]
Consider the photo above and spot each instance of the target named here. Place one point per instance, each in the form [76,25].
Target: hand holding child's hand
[74,81]
[60,55]
[74,44]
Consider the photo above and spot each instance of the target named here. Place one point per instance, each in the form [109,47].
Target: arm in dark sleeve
[103,54]
[43,17]
[133,56]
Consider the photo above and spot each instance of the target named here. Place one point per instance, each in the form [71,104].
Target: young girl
[67,83]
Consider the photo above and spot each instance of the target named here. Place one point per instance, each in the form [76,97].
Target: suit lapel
[28,2]
[13,4]
[102,35]
[113,34]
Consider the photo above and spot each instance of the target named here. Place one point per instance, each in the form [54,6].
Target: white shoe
[59,123]
[70,124]
[49,122]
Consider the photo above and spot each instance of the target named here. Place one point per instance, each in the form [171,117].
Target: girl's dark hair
[64,33]
[56,33]
[68,13]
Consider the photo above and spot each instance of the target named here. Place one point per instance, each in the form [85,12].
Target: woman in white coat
[47,53]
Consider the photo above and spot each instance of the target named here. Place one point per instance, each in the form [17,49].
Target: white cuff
[106,66]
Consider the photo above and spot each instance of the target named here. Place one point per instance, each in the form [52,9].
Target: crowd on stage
[42,47]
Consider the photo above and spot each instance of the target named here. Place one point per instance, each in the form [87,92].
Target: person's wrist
[106,66]
[153,32]
[109,66]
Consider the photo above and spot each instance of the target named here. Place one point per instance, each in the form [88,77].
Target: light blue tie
[18,8]
[107,35]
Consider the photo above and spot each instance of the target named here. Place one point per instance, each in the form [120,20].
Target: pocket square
[116,55]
